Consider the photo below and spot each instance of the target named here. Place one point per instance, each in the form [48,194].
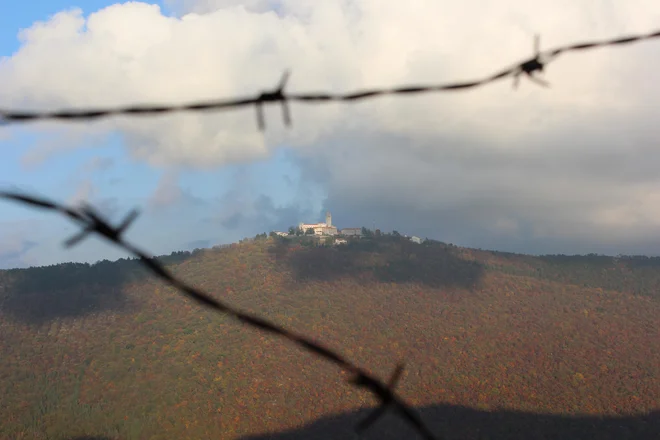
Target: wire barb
[94,222]
[276,95]
[531,66]
[380,411]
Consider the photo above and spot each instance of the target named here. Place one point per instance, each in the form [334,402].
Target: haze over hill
[496,345]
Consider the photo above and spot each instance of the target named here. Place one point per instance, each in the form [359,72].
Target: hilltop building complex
[320,228]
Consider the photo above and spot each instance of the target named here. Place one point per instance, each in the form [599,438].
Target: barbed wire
[528,68]
[92,222]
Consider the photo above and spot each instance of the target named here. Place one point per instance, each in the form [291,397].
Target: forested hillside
[108,350]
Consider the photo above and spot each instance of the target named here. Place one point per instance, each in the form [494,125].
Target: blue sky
[20,15]
[119,181]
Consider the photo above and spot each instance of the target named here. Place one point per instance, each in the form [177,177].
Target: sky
[572,168]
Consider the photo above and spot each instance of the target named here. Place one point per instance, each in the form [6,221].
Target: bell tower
[328,219]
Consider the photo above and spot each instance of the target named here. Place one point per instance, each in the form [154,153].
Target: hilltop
[106,349]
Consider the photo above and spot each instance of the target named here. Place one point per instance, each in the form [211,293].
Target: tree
[292,230]
[309,231]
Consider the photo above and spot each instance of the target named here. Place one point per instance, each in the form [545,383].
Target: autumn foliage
[107,350]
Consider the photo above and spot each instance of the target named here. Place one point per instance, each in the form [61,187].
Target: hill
[496,345]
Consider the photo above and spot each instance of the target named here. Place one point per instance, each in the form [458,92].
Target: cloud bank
[568,169]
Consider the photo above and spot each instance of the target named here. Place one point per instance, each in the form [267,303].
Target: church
[320,228]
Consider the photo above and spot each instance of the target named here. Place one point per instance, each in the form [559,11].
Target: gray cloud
[169,194]
[262,215]
[245,209]
[279,218]
[88,192]
[233,221]
[544,196]
[109,207]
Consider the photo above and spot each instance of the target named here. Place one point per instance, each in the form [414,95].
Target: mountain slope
[114,352]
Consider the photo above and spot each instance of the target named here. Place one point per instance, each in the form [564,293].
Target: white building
[415,239]
[320,228]
[352,232]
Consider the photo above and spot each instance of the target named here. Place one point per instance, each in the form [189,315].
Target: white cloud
[168,191]
[17,240]
[98,164]
[578,159]
[85,191]
[53,139]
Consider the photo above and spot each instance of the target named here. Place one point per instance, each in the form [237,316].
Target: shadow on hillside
[38,295]
[41,294]
[392,261]
[637,275]
[449,422]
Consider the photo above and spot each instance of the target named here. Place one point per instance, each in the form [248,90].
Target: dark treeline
[636,274]
[104,272]
[387,258]
[406,261]
[40,294]
[72,289]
